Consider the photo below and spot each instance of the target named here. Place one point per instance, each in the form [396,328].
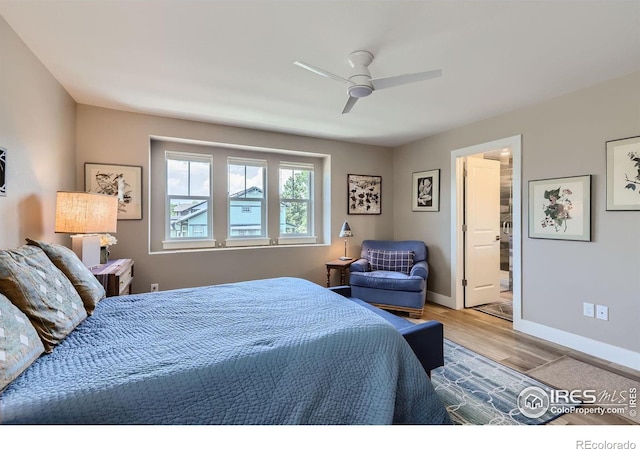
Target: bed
[273,351]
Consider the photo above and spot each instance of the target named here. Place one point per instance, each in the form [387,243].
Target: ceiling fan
[360,82]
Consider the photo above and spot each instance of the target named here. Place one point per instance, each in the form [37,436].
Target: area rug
[502,310]
[611,390]
[477,390]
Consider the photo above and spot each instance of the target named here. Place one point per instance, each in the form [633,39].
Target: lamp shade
[86,213]
[346,230]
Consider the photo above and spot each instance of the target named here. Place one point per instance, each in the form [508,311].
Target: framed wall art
[123,181]
[364,195]
[425,196]
[3,172]
[623,174]
[560,208]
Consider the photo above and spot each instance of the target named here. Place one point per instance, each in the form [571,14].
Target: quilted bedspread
[275,351]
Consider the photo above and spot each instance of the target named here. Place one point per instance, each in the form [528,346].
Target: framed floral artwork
[364,195]
[623,174]
[560,208]
[3,172]
[123,181]
[426,191]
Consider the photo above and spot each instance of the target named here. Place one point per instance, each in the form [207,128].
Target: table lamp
[84,215]
[345,232]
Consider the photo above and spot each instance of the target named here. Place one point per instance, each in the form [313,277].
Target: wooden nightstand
[342,265]
[116,276]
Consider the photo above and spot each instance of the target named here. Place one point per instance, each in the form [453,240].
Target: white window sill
[188,244]
[297,240]
[262,241]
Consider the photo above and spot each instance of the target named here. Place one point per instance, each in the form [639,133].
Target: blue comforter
[275,351]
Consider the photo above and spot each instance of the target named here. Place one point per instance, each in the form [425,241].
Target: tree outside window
[295,201]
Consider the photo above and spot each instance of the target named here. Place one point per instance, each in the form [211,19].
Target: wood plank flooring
[495,338]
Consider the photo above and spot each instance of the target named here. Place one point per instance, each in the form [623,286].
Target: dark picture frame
[425,192]
[623,174]
[3,171]
[560,208]
[123,181]
[364,195]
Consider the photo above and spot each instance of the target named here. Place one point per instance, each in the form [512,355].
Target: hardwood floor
[495,338]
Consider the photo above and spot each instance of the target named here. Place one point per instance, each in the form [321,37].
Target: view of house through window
[188,195]
[247,209]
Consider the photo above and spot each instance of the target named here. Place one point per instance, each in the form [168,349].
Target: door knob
[497,237]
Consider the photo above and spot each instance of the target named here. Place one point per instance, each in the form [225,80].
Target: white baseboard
[442,300]
[604,351]
[594,348]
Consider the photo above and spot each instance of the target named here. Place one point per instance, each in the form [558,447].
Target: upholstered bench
[426,339]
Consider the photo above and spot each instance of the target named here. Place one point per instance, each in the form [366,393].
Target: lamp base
[87,248]
[345,258]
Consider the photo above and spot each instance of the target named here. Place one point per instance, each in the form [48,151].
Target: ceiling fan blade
[350,102]
[383,83]
[321,72]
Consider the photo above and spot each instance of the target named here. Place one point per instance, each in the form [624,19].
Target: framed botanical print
[123,181]
[425,196]
[3,172]
[560,208]
[364,195]
[623,174]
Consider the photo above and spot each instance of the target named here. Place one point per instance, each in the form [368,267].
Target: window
[296,200]
[207,195]
[247,200]
[188,207]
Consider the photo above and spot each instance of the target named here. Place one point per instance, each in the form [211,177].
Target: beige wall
[561,137]
[110,136]
[37,127]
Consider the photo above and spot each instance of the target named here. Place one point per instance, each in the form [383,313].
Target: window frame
[205,241]
[241,240]
[309,236]
[219,152]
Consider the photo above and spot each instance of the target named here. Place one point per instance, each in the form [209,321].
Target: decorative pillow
[42,292]
[387,260]
[20,344]
[88,287]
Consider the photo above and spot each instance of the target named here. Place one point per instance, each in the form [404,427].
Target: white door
[482,236]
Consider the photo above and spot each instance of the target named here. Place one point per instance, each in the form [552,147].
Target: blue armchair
[392,275]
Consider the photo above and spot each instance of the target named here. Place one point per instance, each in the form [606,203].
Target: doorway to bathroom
[486,220]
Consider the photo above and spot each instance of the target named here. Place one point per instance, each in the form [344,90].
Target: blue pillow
[389,260]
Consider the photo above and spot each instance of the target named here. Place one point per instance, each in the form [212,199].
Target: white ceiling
[232,62]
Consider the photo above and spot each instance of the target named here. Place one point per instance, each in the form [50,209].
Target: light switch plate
[588,309]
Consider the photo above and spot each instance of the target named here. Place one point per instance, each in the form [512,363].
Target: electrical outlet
[588,309]
[154,287]
[602,313]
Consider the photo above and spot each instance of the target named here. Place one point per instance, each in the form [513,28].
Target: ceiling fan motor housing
[361,77]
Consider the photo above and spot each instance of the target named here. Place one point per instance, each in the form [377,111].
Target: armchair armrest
[420,269]
[361,265]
